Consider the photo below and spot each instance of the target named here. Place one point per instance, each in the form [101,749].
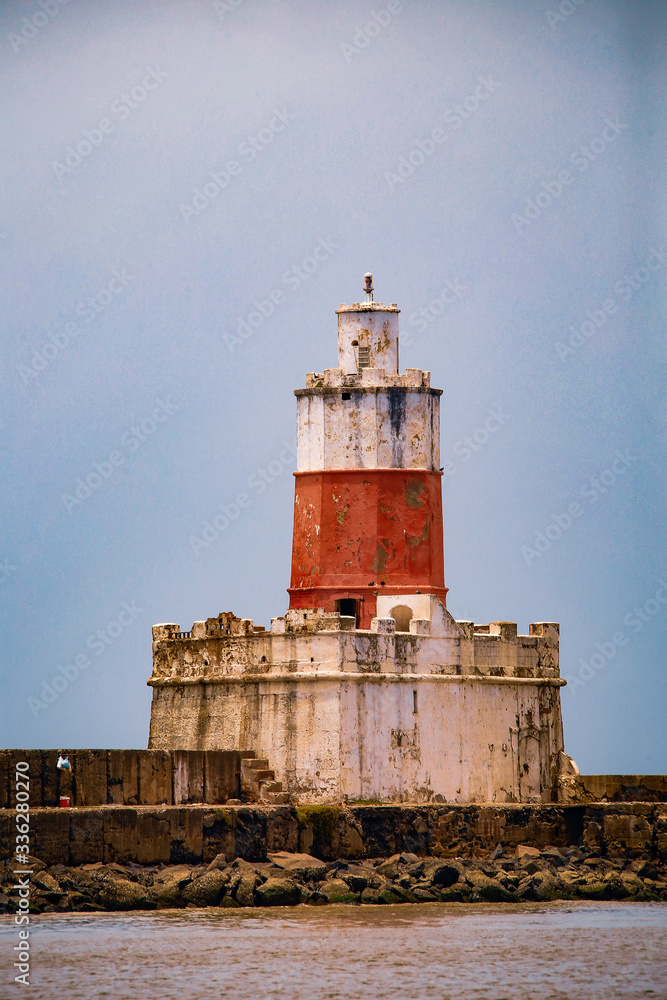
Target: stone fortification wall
[313,641]
[198,833]
[447,711]
[617,788]
[123,777]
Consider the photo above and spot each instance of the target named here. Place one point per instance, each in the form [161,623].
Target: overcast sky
[169,167]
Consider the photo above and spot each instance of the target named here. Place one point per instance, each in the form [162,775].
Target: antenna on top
[368,286]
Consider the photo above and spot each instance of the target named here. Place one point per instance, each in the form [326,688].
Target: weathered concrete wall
[345,725]
[124,777]
[621,787]
[190,834]
[363,426]
[439,713]
[372,327]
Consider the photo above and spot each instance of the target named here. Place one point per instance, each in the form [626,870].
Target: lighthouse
[366,688]
[368,497]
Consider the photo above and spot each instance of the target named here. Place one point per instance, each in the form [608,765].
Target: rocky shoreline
[288,879]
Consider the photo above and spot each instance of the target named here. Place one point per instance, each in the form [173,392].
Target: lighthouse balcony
[336,378]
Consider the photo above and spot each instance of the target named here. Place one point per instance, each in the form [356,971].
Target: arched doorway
[402,615]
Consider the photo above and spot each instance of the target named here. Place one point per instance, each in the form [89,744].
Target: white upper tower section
[364,414]
[368,335]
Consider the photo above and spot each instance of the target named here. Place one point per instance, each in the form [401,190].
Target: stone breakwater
[196,834]
[287,879]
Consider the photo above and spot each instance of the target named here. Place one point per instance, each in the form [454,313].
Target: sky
[187,193]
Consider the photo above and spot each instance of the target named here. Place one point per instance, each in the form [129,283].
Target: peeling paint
[413,491]
[341,515]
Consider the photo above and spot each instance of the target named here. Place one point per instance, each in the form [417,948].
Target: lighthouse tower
[367,688]
[368,499]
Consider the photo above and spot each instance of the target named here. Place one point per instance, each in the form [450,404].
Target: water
[535,951]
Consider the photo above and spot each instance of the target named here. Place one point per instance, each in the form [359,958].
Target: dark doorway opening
[349,607]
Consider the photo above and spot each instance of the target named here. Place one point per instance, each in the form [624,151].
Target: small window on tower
[348,607]
[364,354]
[346,395]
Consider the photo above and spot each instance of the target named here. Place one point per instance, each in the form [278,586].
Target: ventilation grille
[364,357]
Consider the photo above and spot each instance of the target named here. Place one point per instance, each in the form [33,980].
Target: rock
[550,887]
[523,851]
[278,892]
[242,865]
[409,859]
[207,889]
[296,862]
[444,874]
[634,885]
[497,852]
[78,900]
[373,880]
[50,889]
[422,895]
[490,870]
[533,865]
[314,898]
[569,877]
[494,892]
[357,883]
[229,903]
[115,869]
[553,856]
[591,888]
[31,864]
[336,866]
[416,871]
[168,886]
[509,882]
[460,895]
[389,868]
[616,888]
[167,895]
[121,894]
[245,890]
[388,896]
[528,891]
[219,861]
[488,890]
[337,891]
[406,895]
[644,869]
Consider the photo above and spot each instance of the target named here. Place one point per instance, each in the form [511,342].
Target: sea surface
[532,951]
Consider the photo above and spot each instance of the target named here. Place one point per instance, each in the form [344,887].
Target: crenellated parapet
[432,645]
[367,379]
